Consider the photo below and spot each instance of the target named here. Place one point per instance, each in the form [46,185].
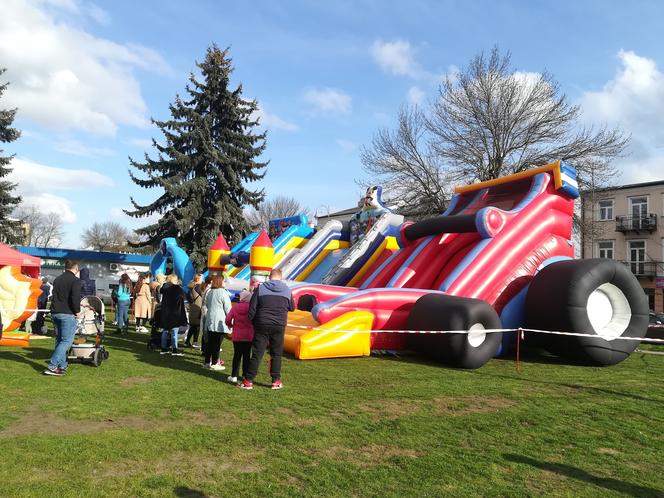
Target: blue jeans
[65,328]
[174,338]
[122,314]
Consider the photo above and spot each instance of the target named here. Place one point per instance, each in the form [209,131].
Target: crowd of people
[254,324]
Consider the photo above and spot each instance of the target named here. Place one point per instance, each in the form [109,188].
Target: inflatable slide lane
[484,250]
[326,241]
[369,252]
[287,235]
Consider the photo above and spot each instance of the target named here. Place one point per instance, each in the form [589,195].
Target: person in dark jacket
[88,286]
[42,302]
[65,305]
[268,311]
[172,314]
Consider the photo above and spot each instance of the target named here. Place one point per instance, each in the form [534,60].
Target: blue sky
[87,77]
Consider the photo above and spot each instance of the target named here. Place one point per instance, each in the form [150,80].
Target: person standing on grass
[65,305]
[142,304]
[218,305]
[42,302]
[268,310]
[205,288]
[125,290]
[242,335]
[172,314]
[195,303]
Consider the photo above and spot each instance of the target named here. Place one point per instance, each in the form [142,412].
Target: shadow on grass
[136,344]
[533,355]
[182,492]
[34,357]
[581,475]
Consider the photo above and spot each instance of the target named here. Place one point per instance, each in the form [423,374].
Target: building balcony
[647,223]
[649,269]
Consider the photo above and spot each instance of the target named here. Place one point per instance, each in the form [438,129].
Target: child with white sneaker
[218,305]
[242,335]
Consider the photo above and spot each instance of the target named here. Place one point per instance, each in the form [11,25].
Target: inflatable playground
[459,287]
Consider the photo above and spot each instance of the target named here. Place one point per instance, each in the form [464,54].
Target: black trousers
[38,324]
[272,338]
[241,354]
[193,332]
[212,347]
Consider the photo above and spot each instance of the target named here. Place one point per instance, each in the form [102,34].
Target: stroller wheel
[98,357]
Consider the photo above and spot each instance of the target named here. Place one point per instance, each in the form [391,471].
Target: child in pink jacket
[243,335]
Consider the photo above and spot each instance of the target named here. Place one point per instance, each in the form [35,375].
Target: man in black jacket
[268,310]
[65,305]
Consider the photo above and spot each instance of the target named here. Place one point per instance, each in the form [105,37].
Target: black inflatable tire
[558,298]
[441,312]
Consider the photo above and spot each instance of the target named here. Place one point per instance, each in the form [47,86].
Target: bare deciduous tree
[278,207]
[45,229]
[107,236]
[489,121]
[404,162]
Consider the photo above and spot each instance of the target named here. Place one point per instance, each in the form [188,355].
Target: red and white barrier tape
[488,331]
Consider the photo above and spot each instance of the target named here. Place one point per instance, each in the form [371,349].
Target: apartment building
[627,224]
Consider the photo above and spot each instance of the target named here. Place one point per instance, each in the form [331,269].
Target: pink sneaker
[246,384]
[277,384]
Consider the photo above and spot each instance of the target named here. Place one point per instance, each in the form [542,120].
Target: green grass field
[149,425]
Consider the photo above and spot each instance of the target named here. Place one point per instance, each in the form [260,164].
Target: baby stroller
[89,323]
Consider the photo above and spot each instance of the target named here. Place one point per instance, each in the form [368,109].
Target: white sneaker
[232,380]
[217,367]
[207,365]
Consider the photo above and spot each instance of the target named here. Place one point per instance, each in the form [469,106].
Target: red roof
[12,257]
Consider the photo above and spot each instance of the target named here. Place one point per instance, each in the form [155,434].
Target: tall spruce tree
[8,228]
[210,153]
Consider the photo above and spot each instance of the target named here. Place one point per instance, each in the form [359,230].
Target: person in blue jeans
[172,314]
[65,305]
[124,293]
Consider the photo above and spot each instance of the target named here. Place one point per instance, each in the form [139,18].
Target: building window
[605,249]
[636,251]
[638,206]
[606,210]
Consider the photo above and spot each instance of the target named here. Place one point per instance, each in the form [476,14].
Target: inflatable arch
[182,265]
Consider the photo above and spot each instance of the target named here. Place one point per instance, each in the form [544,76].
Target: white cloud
[634,101]
[50,203]
[395,57]
[36,183]
[66,78]
[347,145]
[141,143]
[76,148]
[329,100]
[34,178]
[273,121]
[415,95]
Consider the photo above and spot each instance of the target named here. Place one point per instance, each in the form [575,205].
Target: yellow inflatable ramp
[308,340]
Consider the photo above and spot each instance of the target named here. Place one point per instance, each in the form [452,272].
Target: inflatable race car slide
[500,257]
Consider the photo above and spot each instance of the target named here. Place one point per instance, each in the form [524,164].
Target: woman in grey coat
[217,306]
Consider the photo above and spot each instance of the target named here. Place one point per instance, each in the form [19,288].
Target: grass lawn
[149,425]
